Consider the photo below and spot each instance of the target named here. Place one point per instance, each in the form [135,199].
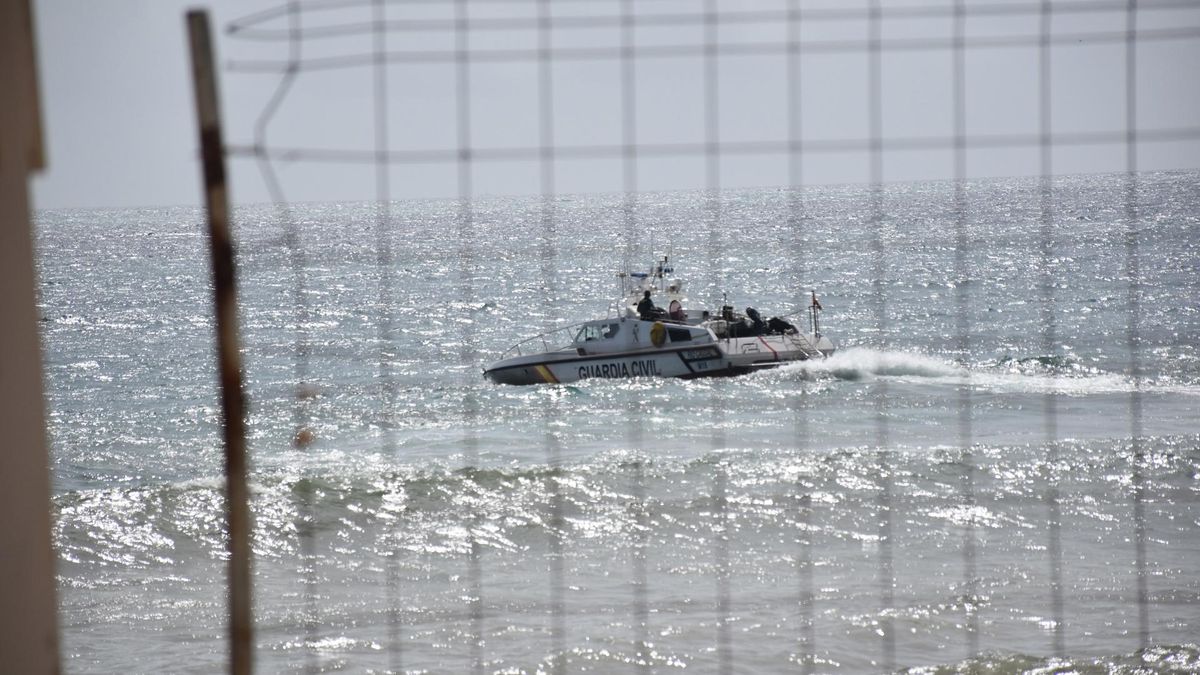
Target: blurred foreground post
[28,625]
[228,356]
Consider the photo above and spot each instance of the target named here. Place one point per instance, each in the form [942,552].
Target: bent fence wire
[293,40]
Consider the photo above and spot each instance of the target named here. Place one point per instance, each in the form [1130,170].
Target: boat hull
[722,358]
[556,369]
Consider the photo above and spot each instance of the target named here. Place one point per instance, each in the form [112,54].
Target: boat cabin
[622,334]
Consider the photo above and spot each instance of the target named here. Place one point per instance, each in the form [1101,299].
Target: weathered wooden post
[28,624]
[229,358]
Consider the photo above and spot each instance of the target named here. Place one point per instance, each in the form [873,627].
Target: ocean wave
[1165,658]
[147,526]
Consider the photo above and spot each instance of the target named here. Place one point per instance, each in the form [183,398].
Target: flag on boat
[815,302]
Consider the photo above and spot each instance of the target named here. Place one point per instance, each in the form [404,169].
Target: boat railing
[544,342]
[806,346]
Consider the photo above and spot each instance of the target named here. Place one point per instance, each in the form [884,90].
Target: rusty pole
[229,359]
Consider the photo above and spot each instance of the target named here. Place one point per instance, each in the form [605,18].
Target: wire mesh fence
[872,526]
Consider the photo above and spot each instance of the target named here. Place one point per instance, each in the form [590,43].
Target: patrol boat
[672,343]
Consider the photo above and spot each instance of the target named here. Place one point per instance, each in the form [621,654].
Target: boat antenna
[813,309]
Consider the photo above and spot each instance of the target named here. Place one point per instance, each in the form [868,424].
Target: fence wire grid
[461,41]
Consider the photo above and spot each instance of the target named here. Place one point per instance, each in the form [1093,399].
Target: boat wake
[1037,374]
[862,363]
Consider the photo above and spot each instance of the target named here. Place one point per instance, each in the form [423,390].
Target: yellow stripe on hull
[546,374]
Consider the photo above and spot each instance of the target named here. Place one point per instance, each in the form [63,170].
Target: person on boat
[756,321]
[777,326]
[676,311]
[645,308]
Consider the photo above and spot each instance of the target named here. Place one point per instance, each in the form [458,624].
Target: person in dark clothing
[645,307]
[756,320]
[777,326]
[751,326]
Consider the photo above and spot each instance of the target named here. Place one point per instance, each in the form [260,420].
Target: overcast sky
[119,118]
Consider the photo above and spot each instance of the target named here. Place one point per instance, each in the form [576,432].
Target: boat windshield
[597,331]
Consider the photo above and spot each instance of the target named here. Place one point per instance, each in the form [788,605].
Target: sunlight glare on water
[348,531]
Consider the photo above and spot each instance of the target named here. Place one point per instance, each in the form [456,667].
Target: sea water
[999,468]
